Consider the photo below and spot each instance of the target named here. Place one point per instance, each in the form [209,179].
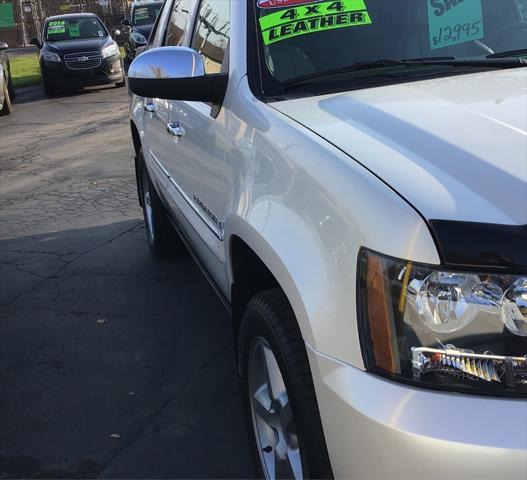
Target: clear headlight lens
[443,301]
[138,38]
[50,56]
[514,307]
[460,330]
[110,50]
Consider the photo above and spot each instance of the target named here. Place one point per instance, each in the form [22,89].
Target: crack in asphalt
[88,316]
[66,263]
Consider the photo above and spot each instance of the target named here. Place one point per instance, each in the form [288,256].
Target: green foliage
[25,70]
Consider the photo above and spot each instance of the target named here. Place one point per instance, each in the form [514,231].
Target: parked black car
[77,50]
[138,24]
[7,91]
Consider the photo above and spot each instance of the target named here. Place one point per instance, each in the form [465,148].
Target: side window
[212,31]
[156,38]
[177,22]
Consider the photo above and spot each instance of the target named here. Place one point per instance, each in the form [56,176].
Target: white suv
[352,177]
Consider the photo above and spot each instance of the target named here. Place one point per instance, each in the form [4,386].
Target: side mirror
[125,22]
[3,46]
[175,73]
[35,41]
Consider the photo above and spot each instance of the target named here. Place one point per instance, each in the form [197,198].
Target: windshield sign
[146,15]
[451,24]
[300,38]
[74,29]
[305,19]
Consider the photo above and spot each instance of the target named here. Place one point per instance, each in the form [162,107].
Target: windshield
[74,28]
[146,15]
[301,38]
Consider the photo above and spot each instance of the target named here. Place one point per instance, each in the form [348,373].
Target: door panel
[154,120]
[196,161]
[199,167]
[155,124]
[199,186]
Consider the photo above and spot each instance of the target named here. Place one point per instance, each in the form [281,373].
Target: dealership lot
[112,363]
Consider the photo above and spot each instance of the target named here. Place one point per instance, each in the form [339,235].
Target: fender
[306,223]
[283,255]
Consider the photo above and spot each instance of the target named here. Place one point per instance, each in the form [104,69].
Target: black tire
[269,318]
[126,63]
[162,238]
[123,82]
[11,88]
[7,108]
[49,89]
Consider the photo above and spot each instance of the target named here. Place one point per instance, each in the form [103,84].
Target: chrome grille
[82,60]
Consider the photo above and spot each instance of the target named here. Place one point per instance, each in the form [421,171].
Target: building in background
[22,19]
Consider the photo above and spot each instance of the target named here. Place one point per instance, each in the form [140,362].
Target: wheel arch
[136,139]
[256,261]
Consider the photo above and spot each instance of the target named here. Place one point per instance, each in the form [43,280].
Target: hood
[144,29]
[454,147]
[73,46]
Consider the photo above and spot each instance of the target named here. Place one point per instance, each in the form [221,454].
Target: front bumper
[376,428]
[109,71]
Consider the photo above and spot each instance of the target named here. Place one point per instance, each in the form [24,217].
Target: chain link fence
[20,20]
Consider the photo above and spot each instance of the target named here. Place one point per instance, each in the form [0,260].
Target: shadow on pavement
[36,92]
[113,363]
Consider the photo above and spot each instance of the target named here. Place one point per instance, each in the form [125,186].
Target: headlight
[110,50]
[447,329]
[138,38]
[50,57]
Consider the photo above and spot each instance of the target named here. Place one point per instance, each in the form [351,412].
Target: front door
[197,159]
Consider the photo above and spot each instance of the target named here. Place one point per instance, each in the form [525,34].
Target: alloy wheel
[147,202]
[272,416]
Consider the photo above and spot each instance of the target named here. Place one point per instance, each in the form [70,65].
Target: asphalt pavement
[113,363]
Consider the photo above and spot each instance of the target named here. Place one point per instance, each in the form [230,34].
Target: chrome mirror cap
[167,63]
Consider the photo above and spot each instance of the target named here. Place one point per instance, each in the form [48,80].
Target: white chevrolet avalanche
[352,178]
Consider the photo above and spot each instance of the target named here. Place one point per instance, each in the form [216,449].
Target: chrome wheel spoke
[280,467]
[295,463]
[286,417]
[275,382]
[262,403]
[272,415]
[288,466]
[148,207]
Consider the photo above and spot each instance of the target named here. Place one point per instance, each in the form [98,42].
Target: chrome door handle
[175,129]
[149,107]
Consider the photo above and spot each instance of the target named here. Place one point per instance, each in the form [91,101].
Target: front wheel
[122,83]
[49,89]
[284,422]
[7,108]
[11,88]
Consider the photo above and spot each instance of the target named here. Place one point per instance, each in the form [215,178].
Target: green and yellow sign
[315,17]
[56,27]
[74,30]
